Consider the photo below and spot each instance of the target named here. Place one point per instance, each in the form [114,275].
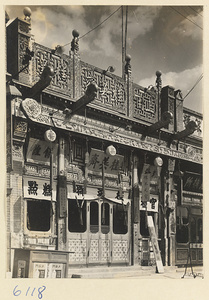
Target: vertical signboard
[146,183]
[62,196]
[154,241]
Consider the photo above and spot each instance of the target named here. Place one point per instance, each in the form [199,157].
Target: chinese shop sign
[40,150]
[112,164]
[38,189]
[155,245]
[192,182]
[151,204]
[146,175]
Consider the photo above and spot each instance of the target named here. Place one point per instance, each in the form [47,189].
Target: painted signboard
[155,245]
[112,164]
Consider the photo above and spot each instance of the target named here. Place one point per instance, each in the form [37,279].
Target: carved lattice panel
[144,105]
[94,251]
[120,250]
[105,250]
[79,249]
[62,79]
[111,92]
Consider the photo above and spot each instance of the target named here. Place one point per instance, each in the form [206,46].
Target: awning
[77,196]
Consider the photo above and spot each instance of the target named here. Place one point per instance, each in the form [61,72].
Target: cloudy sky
[165,38]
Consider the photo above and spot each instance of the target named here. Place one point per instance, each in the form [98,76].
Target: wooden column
[170,205]
[62,199]
[135,212]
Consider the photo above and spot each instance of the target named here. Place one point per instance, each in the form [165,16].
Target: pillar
[170,209]
[62,199]
[135,212]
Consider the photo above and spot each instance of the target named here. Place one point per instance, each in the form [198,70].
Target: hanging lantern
[111,151]
[50,135]
[158,162]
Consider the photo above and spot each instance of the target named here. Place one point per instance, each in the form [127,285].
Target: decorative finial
[27,12]
[74,43]
[158,80]
[128,65]
[128,58]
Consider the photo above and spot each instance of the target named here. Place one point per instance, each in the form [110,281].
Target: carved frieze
[111,91]
[23,44]
[17,151]
[37,170]
[62,80]
[101,130]
[20,129]
[23,27]
[188,117]
[144,105]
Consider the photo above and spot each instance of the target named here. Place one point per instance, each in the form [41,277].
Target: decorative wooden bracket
[43,82]
[190,128]
[166,119]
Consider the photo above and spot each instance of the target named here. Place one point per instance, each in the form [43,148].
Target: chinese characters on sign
[112,164]
[146,183]
[192,182]
[38,189]
[152,203]
[40,150]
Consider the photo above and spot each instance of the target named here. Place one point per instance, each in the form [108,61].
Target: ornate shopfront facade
[99,170]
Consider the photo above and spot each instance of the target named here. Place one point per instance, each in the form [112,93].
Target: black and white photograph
[104,143]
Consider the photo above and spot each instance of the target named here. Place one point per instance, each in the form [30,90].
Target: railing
[111,88]
[145,105]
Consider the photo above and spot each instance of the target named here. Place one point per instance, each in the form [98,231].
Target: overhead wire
[97,25]
[185,17]
[199,79]
[195,11]
[187,13]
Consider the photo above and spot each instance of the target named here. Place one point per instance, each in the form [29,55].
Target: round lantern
[50,135]
[158,162]
[111,151]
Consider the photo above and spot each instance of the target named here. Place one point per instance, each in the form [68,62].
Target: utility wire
[97,25]
[187,13]
[195,11]
[185,17]
[199,79]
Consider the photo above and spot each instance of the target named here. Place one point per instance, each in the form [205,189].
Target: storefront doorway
[99,231]
[189,235]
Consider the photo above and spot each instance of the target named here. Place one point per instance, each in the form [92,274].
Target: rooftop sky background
[166,38]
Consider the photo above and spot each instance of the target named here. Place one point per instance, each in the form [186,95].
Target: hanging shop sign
[36,188]
[112,164]
[154,241]
[151,205]
[192,182]
[40,150]
[62,195]
[146,175]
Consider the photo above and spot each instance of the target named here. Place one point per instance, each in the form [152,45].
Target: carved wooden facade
[120,115]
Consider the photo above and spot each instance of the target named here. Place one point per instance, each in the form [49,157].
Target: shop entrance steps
[110,272]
